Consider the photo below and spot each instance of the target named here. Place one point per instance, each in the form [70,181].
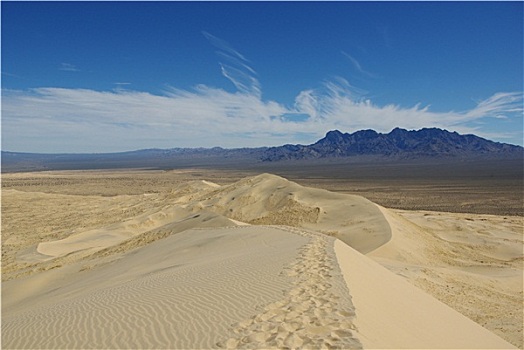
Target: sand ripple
[182,292]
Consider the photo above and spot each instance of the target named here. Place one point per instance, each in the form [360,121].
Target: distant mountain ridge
[399,143]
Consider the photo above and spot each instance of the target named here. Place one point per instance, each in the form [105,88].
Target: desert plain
[222,258]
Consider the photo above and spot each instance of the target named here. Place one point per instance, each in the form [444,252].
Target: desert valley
[222,258]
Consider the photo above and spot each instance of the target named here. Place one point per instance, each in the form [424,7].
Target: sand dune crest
[207,266]
[272,200]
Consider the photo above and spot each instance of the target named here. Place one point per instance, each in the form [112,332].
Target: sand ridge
[281,289]
[102,222]
[178,292]
[268,199]
[316,313]
[401,316]
[471,263]
[213,255]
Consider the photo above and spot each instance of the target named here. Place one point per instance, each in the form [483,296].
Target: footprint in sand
[312,314]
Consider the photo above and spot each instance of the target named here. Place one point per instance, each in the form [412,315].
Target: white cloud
[223,45]
[499,105]
[237,69]
[356,64]
[68,67]
[80,120]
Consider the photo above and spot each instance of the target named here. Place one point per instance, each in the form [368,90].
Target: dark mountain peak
[399,143]
[433,131]
[398,131]
[334,136]
[365,134]
[334,133]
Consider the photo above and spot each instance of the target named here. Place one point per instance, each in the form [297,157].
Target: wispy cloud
[68,67]
[500,105]
[121,85]
[7,74]
[123,119]
[356,64]
[346,108]
[235,66]
[81,120]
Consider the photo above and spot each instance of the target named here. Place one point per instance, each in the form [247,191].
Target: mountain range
[399,144]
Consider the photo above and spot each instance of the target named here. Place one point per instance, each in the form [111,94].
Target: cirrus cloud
[51,119]
[81,120]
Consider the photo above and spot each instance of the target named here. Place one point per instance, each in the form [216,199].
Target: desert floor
[81,247]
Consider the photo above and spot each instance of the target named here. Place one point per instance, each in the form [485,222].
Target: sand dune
[273,200]
[393,314]
[94,240]
[260,263]
[472,263]
[183,291]
[239,287]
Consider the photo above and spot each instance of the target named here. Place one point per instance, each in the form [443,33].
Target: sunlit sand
[259,263]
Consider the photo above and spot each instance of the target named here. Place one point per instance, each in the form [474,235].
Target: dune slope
[273,200]
[472,263]
[393,314]
[236,287]
[182,291]
[260,263]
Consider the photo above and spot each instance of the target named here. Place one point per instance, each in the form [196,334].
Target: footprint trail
[315,313]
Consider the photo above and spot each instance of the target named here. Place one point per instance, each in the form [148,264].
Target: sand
[393,314]
[472,263]
[259,263]
[183,291]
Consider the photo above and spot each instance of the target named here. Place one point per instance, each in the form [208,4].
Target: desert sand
[258,263]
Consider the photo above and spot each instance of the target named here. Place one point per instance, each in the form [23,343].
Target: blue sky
[110,76]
